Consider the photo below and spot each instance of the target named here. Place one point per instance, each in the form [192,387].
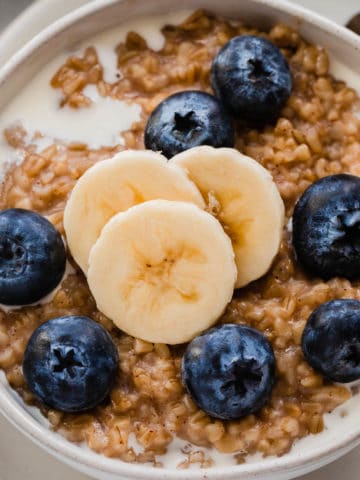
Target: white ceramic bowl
[33,19]
[344,48]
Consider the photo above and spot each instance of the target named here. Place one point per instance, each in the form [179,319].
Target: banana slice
[162,271]
[113,186]
[244,198]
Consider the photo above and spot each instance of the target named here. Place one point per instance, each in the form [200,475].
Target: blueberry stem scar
[66,362]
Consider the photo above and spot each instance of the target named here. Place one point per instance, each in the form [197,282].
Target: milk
[37,107]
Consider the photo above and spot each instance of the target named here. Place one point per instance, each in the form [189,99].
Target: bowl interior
[344,49]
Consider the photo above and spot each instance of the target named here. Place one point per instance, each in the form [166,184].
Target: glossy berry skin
[331,340]
[326,227]
[251,77]
[229,371]
[186,120]
[70,363]
[32,257]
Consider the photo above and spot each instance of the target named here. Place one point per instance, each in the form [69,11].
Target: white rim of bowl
[49,440]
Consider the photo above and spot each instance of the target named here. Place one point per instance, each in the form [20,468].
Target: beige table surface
[19,458]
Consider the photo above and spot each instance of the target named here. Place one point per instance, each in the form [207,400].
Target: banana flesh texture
[163,271]
[113,186]
[164,243]
[242,195]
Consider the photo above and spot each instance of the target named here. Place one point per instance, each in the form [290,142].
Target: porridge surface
[316,135]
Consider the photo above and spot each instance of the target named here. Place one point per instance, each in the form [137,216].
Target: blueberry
[326,227]
[251,77]
[32,257]
[186,120]
[70,363]
[331,340]
[354,23]
[229,371]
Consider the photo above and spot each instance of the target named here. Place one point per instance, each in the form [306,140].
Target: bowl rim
[11,408]
[13,33]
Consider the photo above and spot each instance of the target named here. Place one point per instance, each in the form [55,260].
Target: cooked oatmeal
[317,135]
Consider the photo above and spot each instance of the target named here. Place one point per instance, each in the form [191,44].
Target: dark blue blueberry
[251,77]
[326,227]
[32,257]
[354,23]
[229,371]
[331,340]
[70,363]
[186,120]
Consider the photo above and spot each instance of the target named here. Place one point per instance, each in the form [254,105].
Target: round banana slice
[113,186]
[244,198]
[162,271]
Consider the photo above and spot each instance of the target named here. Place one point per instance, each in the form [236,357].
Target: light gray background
[19,458]
[9,9]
